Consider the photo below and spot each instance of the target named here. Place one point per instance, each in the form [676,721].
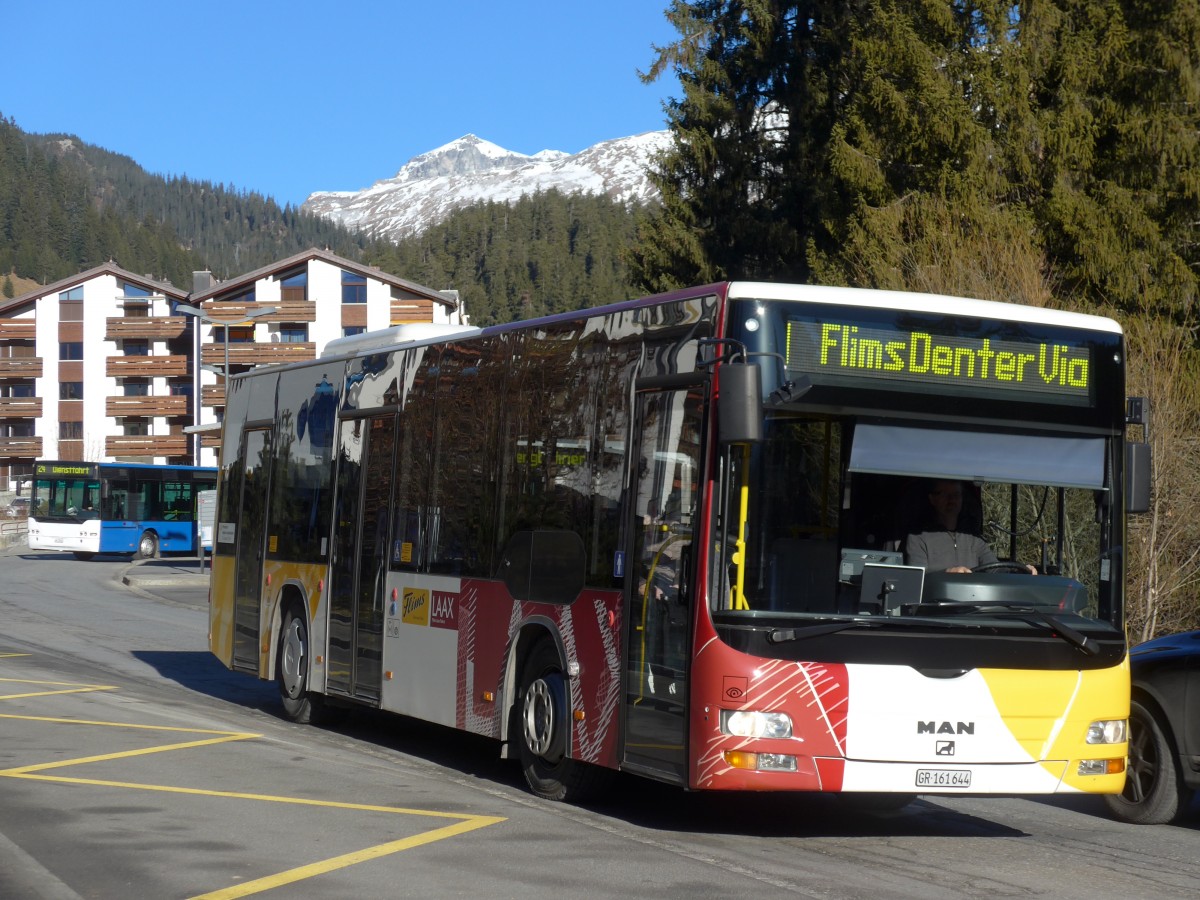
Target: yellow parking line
[11,655]
[465,823]
[71,688]
[340,862]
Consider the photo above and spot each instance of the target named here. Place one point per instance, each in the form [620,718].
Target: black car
[1164,731]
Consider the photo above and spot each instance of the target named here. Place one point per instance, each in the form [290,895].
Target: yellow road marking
[12,655]
[71,688]
[340,862]
[466,823]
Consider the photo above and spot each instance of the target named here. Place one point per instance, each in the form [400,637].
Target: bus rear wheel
[543,719]
[291,674]
[84,554]
[147,545]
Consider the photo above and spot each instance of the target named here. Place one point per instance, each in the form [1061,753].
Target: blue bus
[89,508]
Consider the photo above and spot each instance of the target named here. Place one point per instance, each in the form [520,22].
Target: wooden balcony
[146,445]
[155,328]
[21,367]
[20,448]
[291,311]
[211,440]
[146,366]
[20,407]
[405,311]
[18,329]
[237,312]
[255,354]
[149,407]
[212,395]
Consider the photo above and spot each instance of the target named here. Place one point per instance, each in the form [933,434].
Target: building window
[140,347]
[137,311]
[136,388]
[354,287]
[19,389]
[351,330]
[293,334]
[70,390]
[132,290]
[70,350]
[180,388]
[70,309]
[136,427]
[294,287]
[244,298]
[70,431]
[75,293]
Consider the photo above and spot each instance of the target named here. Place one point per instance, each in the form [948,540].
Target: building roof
[109,268]
[283,265]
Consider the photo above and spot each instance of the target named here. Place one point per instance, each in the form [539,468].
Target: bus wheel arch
[540,724]
[147,547]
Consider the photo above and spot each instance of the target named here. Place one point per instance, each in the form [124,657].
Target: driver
[943,547]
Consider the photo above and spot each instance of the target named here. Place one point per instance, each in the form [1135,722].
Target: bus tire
[543,717]
[1154,793]
[147,547]
[291,674]
[84,554]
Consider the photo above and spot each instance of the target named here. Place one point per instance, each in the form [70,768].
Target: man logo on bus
[945,728]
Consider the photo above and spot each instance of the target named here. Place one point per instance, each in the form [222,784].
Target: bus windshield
[849,516]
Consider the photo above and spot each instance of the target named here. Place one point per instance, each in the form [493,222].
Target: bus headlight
[752,724]
[1108,731]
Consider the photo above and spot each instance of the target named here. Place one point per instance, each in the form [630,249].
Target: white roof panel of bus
[914,302]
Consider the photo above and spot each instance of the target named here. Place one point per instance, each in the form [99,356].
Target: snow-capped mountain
[471,170]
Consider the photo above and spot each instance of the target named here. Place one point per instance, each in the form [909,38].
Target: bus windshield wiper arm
[783,635]
[1018,610]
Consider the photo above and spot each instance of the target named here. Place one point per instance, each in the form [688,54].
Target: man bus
[667,537]
[89,508]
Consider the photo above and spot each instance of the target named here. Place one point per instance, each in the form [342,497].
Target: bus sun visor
[979,456]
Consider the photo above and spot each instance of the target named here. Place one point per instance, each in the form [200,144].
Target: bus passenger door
[247,598]
[663,510]
[358,569]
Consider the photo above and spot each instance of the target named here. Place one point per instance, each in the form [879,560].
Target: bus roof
[917,302]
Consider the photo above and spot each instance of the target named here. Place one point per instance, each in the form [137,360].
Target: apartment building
[107,365]
[287,312]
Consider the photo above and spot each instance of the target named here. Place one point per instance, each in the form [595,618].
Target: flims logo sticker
[415,606]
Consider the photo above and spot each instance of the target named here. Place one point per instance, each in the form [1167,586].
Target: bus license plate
[944,778]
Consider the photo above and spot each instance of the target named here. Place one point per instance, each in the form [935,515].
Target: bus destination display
[1058,372]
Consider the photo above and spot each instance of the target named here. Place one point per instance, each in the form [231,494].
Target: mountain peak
[471,170]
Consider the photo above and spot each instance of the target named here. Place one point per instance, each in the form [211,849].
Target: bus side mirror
[1137,476]
[739,404]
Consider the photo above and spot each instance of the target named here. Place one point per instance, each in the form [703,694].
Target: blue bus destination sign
[1051,369]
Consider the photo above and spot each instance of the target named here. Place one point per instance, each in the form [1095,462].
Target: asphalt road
[133,764]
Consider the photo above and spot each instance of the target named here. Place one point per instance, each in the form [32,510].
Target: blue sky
[287,98]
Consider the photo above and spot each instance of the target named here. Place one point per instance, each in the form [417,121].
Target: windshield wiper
[783,635]
[1016,610]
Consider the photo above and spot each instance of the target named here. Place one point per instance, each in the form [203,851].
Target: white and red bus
[668,537]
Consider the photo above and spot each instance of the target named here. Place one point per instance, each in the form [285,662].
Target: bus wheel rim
[291,663]
[539,718]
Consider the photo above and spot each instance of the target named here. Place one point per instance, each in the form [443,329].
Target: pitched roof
[248,279]
[109,268]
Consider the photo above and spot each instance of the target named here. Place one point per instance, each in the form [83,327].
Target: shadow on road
[203,673]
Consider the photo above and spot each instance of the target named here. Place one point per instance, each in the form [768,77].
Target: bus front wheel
[544,716]
[147,545]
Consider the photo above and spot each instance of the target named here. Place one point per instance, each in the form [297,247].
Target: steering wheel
[1003,565]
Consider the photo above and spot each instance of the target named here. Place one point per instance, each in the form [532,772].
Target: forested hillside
[66,206]
[545,253]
